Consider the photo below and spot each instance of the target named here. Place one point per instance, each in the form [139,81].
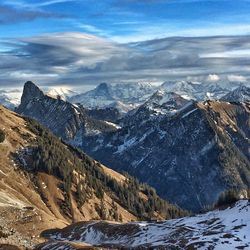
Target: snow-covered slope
[108,94]
[220,229]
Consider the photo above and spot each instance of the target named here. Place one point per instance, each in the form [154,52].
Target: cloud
[83,59]
[10,15]
[24,4]
[236,78]
[51,2]
[213,78]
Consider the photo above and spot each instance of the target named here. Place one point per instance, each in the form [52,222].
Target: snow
[125,145]
[219,229]
[188,113]
[124,96]
[10,97]
[113,124]
[63,92]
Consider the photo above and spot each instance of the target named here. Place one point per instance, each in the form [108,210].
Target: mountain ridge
[47,183]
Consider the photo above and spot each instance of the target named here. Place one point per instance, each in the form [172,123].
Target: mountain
[220,229]
[159,105]
[178,146]
[182,153]
[199,91]
[64,93]
[163,102]
[10,98]
[46,183]
[108,114]
[71,122]
[127,94]
[6,101]
[240,94]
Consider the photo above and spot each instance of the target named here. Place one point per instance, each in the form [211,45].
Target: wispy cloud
[25,4]
[80,59]
[51,2]
[9,15]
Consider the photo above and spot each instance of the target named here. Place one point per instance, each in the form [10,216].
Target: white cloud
[213,78]
[236,78]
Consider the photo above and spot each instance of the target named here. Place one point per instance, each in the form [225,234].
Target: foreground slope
[219,229]
[45,183]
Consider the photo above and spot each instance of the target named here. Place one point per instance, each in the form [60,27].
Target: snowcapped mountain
[126,95]
[219,229]
[240,94]
[164,102]
[10,98]
[192,146]
[160,104]
[64,93]
[199,91]
[183,88]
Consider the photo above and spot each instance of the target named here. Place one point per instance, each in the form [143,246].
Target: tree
[228,197]
[2,136]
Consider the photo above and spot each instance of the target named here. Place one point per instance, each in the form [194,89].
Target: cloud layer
[82,59]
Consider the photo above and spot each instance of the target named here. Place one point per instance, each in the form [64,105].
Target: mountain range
[194,153]
[126,96]
[166,141]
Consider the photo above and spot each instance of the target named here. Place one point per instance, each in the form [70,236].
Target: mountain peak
[102,85]
[30,91]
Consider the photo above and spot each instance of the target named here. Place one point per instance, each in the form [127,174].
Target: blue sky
[125,20]
[80,39]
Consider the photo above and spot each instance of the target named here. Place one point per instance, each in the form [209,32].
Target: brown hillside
[33,200]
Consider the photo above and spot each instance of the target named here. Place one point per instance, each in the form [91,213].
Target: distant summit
[106,95]
[240,94]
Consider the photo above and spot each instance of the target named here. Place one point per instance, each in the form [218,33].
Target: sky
[81,43]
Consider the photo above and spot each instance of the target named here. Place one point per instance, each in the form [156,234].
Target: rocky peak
[30,91]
